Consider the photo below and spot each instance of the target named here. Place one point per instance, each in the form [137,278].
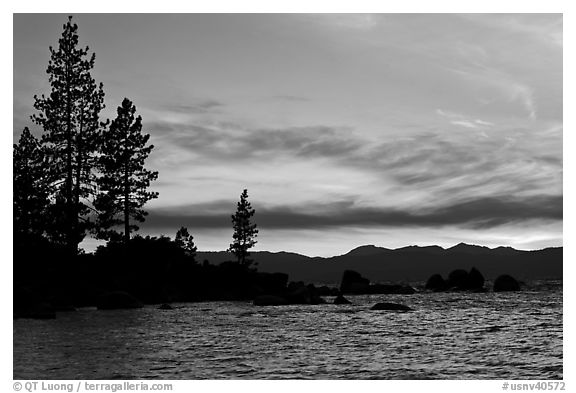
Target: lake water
[448,336]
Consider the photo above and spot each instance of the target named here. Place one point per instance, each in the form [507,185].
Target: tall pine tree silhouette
[70,119]
[124,180]
[245,232]
[31,188]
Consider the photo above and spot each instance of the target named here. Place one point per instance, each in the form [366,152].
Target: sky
[346,129]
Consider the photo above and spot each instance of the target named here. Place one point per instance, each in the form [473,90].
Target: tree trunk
[79,163]
[71,239]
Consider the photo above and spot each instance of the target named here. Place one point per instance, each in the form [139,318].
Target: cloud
[483,123]
[544,28]
[474,213]
[464,123]
[489,161]
[200,107]
[224,143]
[356,21]
[459,119]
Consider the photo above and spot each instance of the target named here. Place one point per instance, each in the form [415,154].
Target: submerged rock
[165,306]
[117,300]
[391,307]
[506,283]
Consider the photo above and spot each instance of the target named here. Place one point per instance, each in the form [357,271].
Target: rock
[436,283]
[165,306]
[341,300]
[117,300]
[353,282]
[475,280]
[391,307]
[303,294]
[295,293]
[298,294]
[458,279]
[293,286]
[269,300]
[506,283]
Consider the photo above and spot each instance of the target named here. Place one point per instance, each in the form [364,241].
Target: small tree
[124,180]
[245,231]
[186,242]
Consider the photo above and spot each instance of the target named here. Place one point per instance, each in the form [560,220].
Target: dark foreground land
[156,271]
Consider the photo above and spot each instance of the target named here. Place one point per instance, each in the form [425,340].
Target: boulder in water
[303,294]
[353,282]
[506,283]
[475,280]
[436,283]
[458,279]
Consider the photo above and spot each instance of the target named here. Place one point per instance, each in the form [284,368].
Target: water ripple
[449,336]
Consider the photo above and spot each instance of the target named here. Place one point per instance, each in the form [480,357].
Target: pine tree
[124,180]
[70,119]
[186,242]
[31,188]
[245,231]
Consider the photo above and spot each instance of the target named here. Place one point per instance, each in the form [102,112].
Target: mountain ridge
[406,264]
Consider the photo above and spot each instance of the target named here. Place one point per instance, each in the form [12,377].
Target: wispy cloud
[458,119]
[199,107]
[241,144]
[474,213]
[362,22]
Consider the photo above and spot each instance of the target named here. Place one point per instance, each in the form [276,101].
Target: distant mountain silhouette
[469,249]
[367,250]
[409,264]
